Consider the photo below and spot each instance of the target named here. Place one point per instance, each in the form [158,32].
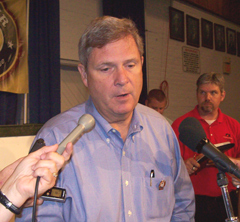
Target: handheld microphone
[193,135]
[85,124]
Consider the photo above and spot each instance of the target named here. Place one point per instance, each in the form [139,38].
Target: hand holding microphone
[85,124]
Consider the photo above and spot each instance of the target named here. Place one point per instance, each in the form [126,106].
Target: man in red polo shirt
[219,128]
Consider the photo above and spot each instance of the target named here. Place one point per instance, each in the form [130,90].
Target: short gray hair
[211,77]
[104,30]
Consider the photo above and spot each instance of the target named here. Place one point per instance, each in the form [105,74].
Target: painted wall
[14,148]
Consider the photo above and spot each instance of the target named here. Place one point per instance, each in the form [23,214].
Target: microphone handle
[72,137]
[222,162]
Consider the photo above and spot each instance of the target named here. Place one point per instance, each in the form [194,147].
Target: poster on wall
[231,41]
[192,31]
[191,60]
[207,33]
[13,46]
[219,32]
[176,24]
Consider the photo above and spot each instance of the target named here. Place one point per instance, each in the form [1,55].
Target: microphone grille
[87,121]
[191,133]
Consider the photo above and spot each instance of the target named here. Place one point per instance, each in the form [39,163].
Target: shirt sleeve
[184,209]
[175,126]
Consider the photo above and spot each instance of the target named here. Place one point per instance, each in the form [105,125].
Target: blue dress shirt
[108,180]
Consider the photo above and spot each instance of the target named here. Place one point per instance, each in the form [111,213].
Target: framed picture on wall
[192,31]
[238,43]
[176,24]
[231,41]
[207,33]
[219,32]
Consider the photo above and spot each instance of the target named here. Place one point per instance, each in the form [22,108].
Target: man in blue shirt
[129,167]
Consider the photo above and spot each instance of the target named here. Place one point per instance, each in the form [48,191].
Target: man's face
[155,104]
[209,98]
[114,78]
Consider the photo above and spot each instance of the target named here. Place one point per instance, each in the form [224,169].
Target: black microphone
[193,135]
[37,145]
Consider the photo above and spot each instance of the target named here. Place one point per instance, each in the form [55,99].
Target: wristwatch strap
[8,204]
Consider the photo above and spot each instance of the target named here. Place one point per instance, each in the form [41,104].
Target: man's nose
[208,96]
[121,76]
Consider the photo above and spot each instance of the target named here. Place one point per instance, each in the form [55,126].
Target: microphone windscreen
[191,133]
[87,121]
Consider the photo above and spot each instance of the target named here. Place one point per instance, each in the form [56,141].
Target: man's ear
[223,95]
[83,74]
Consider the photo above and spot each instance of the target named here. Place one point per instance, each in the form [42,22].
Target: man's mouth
[123,95]
[207,103]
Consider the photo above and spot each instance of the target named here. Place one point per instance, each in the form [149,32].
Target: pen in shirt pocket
[152,175]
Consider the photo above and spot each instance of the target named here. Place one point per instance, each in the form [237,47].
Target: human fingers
[56,158]
[25,185]
[236,182]
[210,163]
[192,165]
[188,166]
[47,179]
[60,159]
[236,161]
[44,150]
[50,164]
[25,165]
[195,163]
[68,151]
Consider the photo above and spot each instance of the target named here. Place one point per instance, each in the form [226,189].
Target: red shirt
[224,129]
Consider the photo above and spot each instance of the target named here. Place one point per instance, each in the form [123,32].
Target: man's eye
[131,65]
[104,69]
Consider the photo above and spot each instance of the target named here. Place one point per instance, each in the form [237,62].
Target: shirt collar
[136,123]
[135,126]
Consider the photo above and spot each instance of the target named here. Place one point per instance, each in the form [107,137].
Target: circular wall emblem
[9,43]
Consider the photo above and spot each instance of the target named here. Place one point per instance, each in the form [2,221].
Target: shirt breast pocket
[159,197]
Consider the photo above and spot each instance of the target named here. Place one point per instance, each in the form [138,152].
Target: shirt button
[108,140]
[135,126]
[124,153]
[210,134]
[133,138]
[129,213]
[114,131]
[126,183]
